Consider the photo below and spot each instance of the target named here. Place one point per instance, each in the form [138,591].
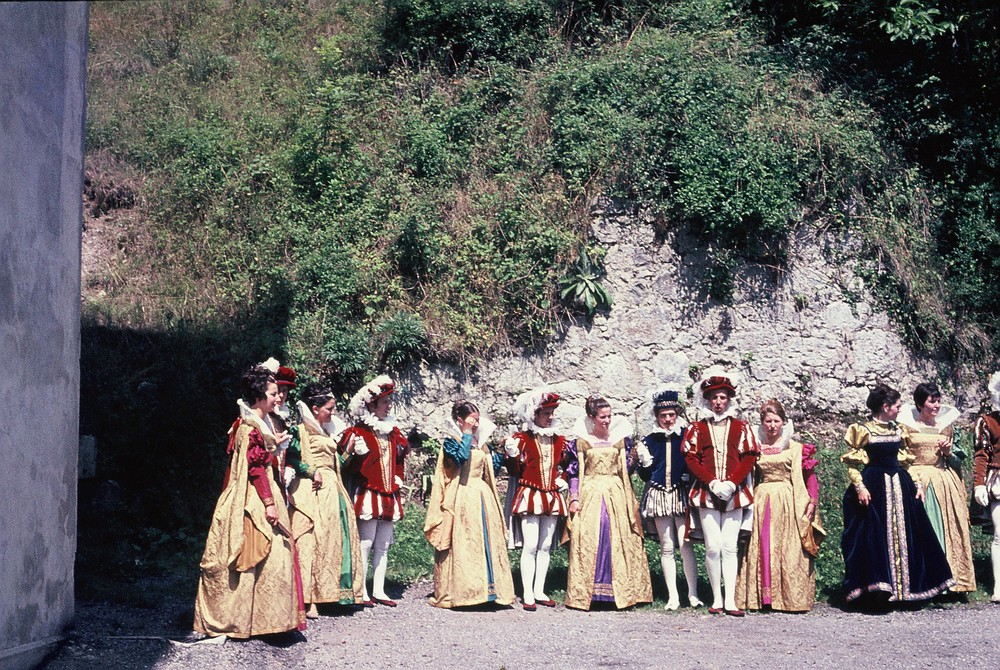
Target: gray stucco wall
[43,48]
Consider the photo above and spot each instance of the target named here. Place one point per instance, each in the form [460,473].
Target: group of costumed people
[306,509]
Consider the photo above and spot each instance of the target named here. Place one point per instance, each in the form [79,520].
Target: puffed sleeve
[457,451]
[258,460]
[855,457]
[748,456]
[692,456]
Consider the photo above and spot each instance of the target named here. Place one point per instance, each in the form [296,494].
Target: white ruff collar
[619,429]
[783,439]
[380,426]
[551,431]
[909,416]
[678,428]
[262,425]
[730,413]
[482,434]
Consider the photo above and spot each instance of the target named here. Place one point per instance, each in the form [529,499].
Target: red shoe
[736,613]
[387,603]
[546,603]
[529,607]
[367,603]
[715,610]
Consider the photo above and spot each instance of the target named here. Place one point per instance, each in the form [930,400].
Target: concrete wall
[43,49]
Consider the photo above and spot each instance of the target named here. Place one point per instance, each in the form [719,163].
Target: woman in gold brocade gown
[249,581]
[323,522]
[607,559]
[929,426]
[465,522]
[777,570]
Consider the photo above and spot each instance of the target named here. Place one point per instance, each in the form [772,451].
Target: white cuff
[358,446]
[512,447]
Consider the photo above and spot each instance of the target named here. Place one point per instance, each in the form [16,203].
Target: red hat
[384,389]
[717,383]
[285,376]
[549,400]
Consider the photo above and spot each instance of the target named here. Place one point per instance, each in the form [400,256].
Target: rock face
[794,336]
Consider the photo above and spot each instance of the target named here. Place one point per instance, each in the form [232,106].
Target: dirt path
[416,635]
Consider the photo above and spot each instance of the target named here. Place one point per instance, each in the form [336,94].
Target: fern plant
[581,289]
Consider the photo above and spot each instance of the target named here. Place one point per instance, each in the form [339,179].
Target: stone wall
[42,77]
[792,334]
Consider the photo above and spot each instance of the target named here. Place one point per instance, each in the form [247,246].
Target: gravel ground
[416,635]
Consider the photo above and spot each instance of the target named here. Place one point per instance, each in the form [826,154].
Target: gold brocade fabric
[324,535]
[944,500]
[465,525]
[262,599]
[794,539]
[604,478]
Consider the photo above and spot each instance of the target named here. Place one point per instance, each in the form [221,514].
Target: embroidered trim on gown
[889,545]
[607,559]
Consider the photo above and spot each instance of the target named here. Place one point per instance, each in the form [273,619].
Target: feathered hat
[377,388]
[531,401]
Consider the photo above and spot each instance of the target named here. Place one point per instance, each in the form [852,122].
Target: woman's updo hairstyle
[595,403]
[924,392]
[316,394]
[881,395]
[463,408]
[253,384]
[772,406]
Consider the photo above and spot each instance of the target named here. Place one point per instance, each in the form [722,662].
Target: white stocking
[384,535]
[668,540]
[995,547]
[711,526]
[731,522]
[366,531]
[546,533]
[529,533]
[687,559]
[722,534]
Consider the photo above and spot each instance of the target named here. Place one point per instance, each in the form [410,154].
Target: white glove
[645,458]
[562,485]
[727,490]
[399,480]
[289,476]
[713,486]
[982,495]
[359,447]
[512,447]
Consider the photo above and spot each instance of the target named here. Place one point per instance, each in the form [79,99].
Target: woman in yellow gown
[607,559]
[777,570]
[248,583]
[465,522]
[929,426]
[323,522]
